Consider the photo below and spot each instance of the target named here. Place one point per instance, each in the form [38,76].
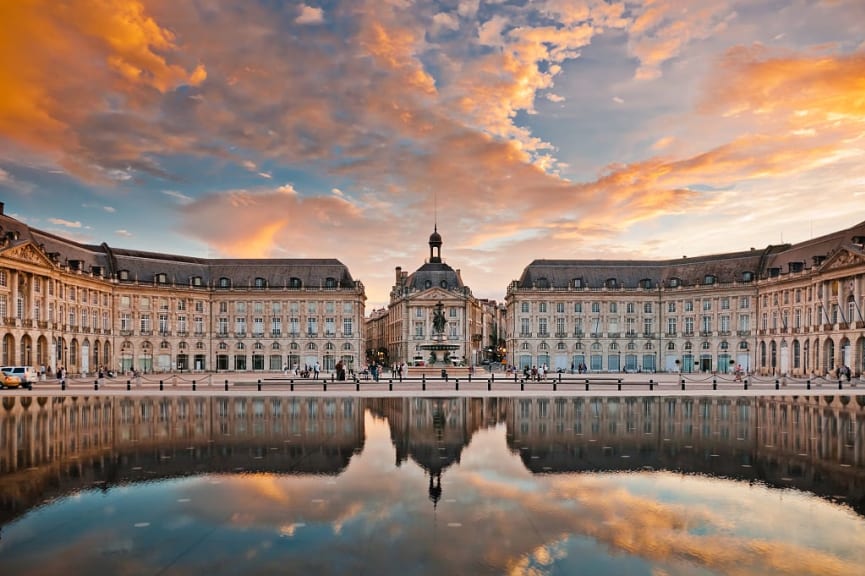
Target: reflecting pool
[331,485]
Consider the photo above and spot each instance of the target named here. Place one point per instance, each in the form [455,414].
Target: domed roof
[434,274]
[435,238]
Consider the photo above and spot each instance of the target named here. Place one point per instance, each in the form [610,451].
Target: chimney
[1,208]
[398,273]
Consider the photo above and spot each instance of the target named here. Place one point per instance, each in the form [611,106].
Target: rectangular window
[648,327]
[181,305]
[725,323]
[276,308]
[671,326]
[578,307]
[614,308]
[258,307]
[328,307]
[329,327]
[524,327]
[418,329]
[453,329]
[240,325]
[524,307]
[542,327]
[258,326]
[542,307]
[671,307]
[222,326]
[647,307]
[276,326]
[630,325]
[144,323]
[707,324]
[125,321]
[689,305]
[181,323]
[707,304]
[240,307]
[199,325]
[199,306]
[596,307]
[744,322]
[347,327]
[294,326]
[560,307]
[452,312]
[311,307]
[689,325]
[347,307]
[725,303]
[223,307]
[163,323]
[560,325]
[312,326]
[744,302]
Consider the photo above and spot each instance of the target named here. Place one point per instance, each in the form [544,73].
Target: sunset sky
[542,129]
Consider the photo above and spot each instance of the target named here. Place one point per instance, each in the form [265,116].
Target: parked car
[26,375]
[9,380]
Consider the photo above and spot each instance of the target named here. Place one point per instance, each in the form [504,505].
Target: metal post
[714,384]
[193,385]
[651,385]
[746,383]
[457,382]
[96,384]
[808,384]
[683,383]
[777,385]
[160,385]
[128,385]
[259,384]
[489,385]
[226,385]
[390,386]
[620,385]
[63,384]
[522,385]
[840,387]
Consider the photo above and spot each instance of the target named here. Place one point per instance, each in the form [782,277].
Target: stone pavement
[480,384]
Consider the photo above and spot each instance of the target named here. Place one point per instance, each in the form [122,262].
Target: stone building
[406,332]
[82,306]
[794,309]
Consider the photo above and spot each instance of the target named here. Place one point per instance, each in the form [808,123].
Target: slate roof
[438,274]
[725,267]
[143,266]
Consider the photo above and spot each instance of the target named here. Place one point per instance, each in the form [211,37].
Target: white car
[27,374]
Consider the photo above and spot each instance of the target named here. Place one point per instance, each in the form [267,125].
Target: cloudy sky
[533,129]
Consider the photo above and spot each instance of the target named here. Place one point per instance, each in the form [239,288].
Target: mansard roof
[721,268]
[144,266]
[432,275]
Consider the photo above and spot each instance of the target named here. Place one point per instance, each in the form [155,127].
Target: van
[26,374]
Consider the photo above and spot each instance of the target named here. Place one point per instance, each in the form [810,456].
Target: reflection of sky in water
[494,517]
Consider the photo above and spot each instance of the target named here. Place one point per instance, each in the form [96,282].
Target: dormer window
[578,282]
[543,283]
[646,284]
[796,266]
[427,284]
[96,270]
[162,278]
[611,283]
[444,284]
[774,272]
[75,264]
[224,283]
[260,283]
[294,282]
[674,282]
[747,276]
[709,279]
[196,281]
[123,275]
[330,282]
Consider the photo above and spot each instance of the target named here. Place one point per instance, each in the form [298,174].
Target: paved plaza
[478,384]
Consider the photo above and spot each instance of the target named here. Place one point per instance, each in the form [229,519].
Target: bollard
[808,384]
[522,385]
[325,386]
[423,384]
[554,384]
[683,383]
[651,385]
[390,386]
[128,385]
[226,385]
[746,383]
[357,385]
[840,387]
[587,385]
[259,384]
[489,385]
[291,385]
[96,385]
[620,385]
[63,384]
[160,385]
[457,382]
[470,376]
[777,385]
[714,384]
[193,385]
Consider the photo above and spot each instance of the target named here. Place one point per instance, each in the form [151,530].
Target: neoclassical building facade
[793,309]
[405,330]
[81,306]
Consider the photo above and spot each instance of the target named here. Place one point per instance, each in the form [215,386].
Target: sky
[579,129]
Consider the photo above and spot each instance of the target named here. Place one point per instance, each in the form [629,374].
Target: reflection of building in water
[809,442]
[434,431]
[56,445]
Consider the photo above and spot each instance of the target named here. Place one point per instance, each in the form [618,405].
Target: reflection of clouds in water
[498,514]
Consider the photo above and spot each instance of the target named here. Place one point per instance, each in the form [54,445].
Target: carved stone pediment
[435,294]
[27,252]
[842,259]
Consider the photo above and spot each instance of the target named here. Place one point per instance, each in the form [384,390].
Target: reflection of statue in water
[435,487]
[439,320]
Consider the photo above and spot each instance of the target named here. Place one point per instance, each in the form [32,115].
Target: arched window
[294,282]
[561,346]
[311,346]
[330,282]
[260,283]
[223,346]
[240,346]
[274,346]
[224,283]
[524,346]
[543,346]
[578,346]
[671,345]
[258,346]
[294,346]
[708,279]
[543,283]
[346,346]
[329,346]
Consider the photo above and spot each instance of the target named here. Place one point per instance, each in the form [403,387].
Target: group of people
[304,372]
[537,373]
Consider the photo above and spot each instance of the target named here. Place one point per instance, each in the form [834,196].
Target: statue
[439,320]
